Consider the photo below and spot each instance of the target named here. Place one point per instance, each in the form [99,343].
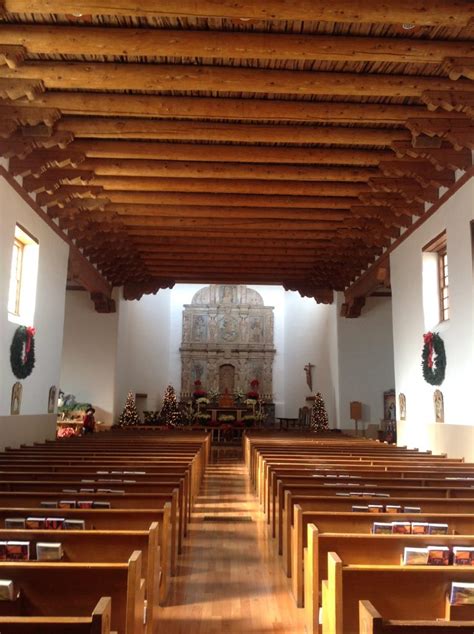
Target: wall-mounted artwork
[51,399]
[438,400]
[402,403]
[389,407]
[17,391]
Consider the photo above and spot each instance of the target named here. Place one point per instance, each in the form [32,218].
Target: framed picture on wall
[389,405]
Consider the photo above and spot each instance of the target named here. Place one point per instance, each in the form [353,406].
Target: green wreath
[22,352]
[434,369]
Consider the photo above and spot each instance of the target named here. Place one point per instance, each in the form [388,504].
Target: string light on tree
[319,417]
[170,414]
[130,416]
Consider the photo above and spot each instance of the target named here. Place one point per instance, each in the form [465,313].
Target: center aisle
[229,578]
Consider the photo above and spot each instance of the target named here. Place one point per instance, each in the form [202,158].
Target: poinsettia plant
[199,391]
[253,392]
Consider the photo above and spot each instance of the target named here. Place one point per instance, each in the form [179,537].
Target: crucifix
[308,368]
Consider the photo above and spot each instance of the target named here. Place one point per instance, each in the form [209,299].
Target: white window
[435,282]
[23,278]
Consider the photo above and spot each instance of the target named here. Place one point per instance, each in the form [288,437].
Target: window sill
[20,320]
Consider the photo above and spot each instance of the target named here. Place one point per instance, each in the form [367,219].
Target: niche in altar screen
[226,378]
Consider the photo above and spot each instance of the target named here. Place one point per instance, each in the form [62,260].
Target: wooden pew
[348,522]
[105,547]
[117,501]
[371,622]
[97,623]
[290,530]
[65,589]
[113,520]
[401,592]
[358,549]
[274,498]
[421,498]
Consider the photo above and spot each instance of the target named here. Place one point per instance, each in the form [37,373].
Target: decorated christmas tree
[170,414]
[130,416]
[319,417]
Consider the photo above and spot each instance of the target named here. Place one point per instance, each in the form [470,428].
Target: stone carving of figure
[227,295]
[199,328]
[439,406]
[212,328]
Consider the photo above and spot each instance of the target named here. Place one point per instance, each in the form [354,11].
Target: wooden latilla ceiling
[269,142]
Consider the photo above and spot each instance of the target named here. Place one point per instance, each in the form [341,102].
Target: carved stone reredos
[227,325]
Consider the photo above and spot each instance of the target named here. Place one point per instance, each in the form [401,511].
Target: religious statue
[402,401]
[15,405]
[308,368]
[439,406]
[51,399]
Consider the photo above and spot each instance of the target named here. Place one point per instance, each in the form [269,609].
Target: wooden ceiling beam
[236,224]
[252,187]
[355,296]
[178,247]
[444,157]
[448,101]
[103,128]
[181,77]
[242,235]
[25,116]
[218,213]
[224,186]
[195,169]
[40,39]
[183,199]
[419,12]
[459,132]
[149,150]
[20,88]
[166,107]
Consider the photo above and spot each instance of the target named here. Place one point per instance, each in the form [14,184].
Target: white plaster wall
[48,320]
[143,349]
[307,340]
[89,354]
[406,273]
[365,359]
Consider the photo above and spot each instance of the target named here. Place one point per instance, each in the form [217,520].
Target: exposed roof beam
[232,213]
[103,128]
[210,185]
[177,77]
[69,40]
[244,154]
[195,169]
[163,106]
[423,12]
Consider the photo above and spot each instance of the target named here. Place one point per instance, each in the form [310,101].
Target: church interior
[237,324]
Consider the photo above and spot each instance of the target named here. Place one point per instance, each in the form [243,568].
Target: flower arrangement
[213,395]
[202,400]
[65,432]
[199,392]
[226,418]
[239,394]
[202,417]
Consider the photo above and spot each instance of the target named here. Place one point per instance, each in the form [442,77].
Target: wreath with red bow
[433,359]
[22,352]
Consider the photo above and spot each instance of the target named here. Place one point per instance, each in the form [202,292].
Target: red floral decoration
[253,393]
[198,391]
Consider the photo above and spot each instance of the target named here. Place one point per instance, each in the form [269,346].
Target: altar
[237,412]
